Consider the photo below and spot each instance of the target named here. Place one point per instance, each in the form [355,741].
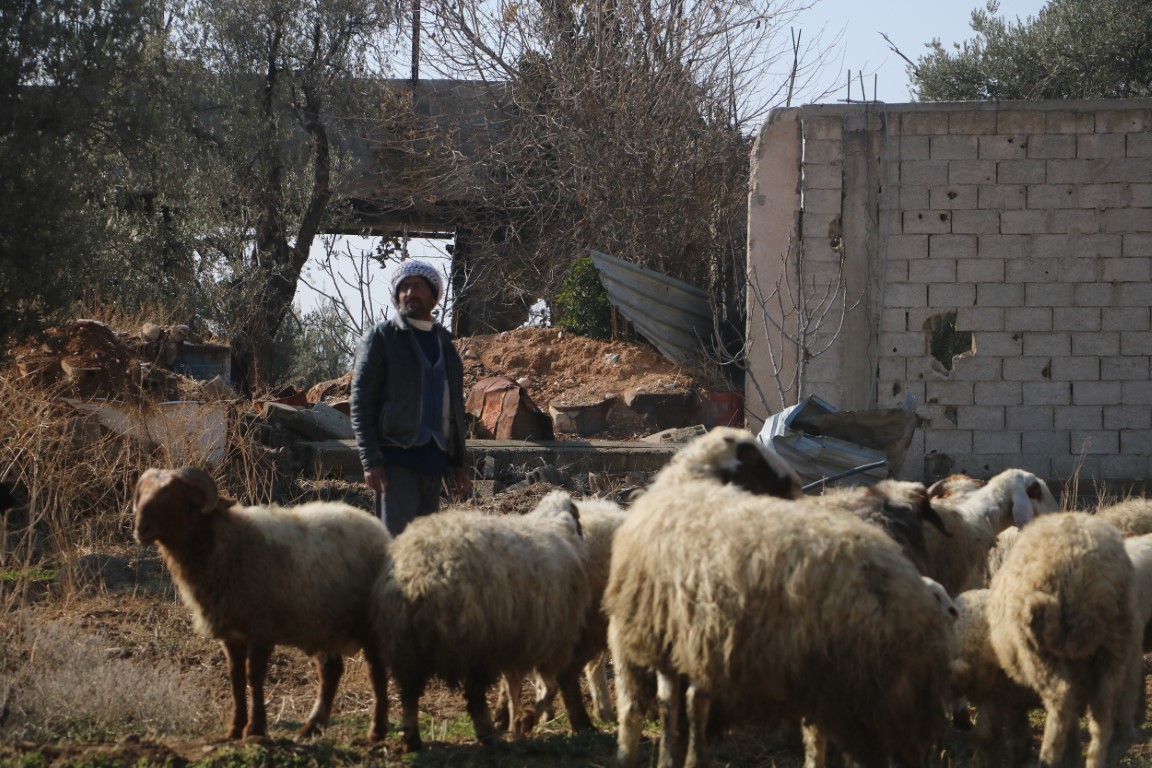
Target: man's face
[415,298]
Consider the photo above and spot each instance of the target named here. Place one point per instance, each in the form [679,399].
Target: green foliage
[582,305]
[1072,49]
[311,349]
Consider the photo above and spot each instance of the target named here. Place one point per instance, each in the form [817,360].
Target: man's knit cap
[420,269]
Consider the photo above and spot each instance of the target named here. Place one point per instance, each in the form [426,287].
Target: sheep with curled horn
[256,577]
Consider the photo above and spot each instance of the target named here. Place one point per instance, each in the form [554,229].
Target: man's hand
[376,478]
[460,482]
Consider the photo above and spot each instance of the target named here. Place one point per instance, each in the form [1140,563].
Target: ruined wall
[997,265]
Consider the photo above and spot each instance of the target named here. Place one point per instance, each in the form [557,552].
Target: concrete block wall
[1006,278]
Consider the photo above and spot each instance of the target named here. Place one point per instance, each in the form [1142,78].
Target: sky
[910,24]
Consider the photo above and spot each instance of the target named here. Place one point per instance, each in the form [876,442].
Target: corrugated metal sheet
[673,315]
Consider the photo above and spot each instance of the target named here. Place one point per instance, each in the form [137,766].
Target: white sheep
[599,519]
[1002,705]
[973,518]
[1063,621]
[260,576]
[472,597]
[1139,549]
[1132,516]
[705,576]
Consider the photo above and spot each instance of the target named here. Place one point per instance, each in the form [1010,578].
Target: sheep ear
[1022,510]
[202,482]
[756,474]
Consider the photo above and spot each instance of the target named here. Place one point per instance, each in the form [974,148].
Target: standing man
[408,403]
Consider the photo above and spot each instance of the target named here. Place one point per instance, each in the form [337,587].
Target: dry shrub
[71,685]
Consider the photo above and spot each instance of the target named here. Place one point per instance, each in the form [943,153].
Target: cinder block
[915,197]
[973,270]
[976,222]
[902,344]
[1078,172]
[1076,319]
[1128,417]
[1029,369]
[1125,369]
[950,442]
[1101,343]
[1021,172]
[1093,294]
[1136,393]
[906,295]
[1052,196]
[1093,145]
[949,393]
[1005,345]
[1044,441]
[992,443]
[1122,121]
[1049,295]
[1135,343]
[1136,441]
[999,295]
[980,318]
[1007,247]
[822,201]
[1103,195]
[1069,121]
[1038,344]
[980,417]
[1103,247]
[1048,393]
[1002,196]
[1049,250]
[914,148]
[1029,418]
[1137,245]
[998,393]
[1095,441]
[1134,294]
[1124,220]
[1028,319]
[1086,468]
[952,197]
[897,270]
[971,171]
[1139,145]
[893,368]
[907,246]
[923,123]
[924,173]
[1079,417]
[1051,147]
[972,122]
[1095,392]
[952,246]
[825,128]
[953,147]
[1024,222]
[823,151]
[1020,122]
[1003,147]
[951,295]
[823,175]
[977,368]
[1141,195]
[1075,369]
[1082,221]
[1126,319]
[926,222]
[932,271]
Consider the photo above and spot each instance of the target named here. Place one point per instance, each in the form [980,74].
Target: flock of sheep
[866,617]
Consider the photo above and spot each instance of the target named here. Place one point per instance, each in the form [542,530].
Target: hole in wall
[945,343]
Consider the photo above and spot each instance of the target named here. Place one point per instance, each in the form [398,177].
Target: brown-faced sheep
[256,577]
[704,576]
[1063,618]
[973,518]
[472,597]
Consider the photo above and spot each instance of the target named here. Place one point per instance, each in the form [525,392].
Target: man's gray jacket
[387,392]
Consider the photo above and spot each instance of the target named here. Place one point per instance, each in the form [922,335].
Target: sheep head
[167,499]
[735,457]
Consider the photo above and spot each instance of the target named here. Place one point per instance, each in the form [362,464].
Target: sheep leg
[476,702]
[815,746]
[546,689]
[378,673]
[1061,724]
[521,718]
[410,715]
[237,653]
[504,710]
[258,655]
[573,698]
[629,713]
[329,670]
[596,672]
[698,703]
[668,700]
